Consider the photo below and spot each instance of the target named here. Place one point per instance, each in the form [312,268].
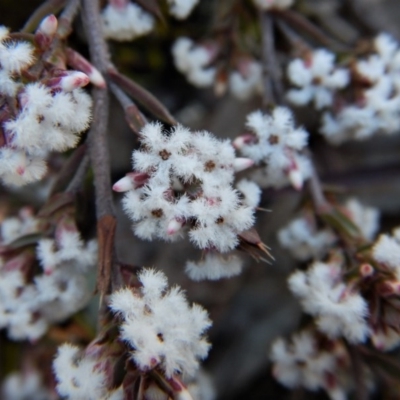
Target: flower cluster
[339,309]
[196,62]
[159,326]
[274,144]
[82,376]
[317,78]
[273,4]
[309,362]
[304,241]
[32,298]
[377,99]
[125,21]
[182,181]
[48,114]
[26,385]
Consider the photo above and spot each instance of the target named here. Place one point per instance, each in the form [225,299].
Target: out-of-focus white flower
[339,310]
[275,144]
[80,377]
[24,386]
[187,186]
[386,250]
[365,218]
[214,267]
[270,4]
[302,364]
[246,80]
[317,79]
[304,241]
[181,9]
[194,61]
[125,21]
[160,327]
[377,107]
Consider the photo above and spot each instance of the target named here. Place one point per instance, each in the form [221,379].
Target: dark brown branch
[76,183]
[108,271]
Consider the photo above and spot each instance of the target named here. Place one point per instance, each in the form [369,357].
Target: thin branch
[67,17]
[135,119]
[315,188]
[79,177]
[272,76]
[108,275]
[357,367]
[48,7]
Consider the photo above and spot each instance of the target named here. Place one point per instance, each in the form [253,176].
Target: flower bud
[174,226]
[366,270]
[240,164]
[46,31]
[244,140]
[296,178]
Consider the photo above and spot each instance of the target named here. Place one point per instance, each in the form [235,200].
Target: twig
[271,67]
[357,367]
[80,174]
[67,17]
[315,188]
[48,7]
[135,119]
[108,272]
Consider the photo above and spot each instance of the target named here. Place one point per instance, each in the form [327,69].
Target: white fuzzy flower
[125,21]
[80,377]
[214,267]
[271,4]
[275,144]
[181,9]
[304,241]
[194,62]
[339,310]
[317,79]
[247,80]
[160,327]
[188,187]
[302,364]
[365,218]
[386,250]
[26,386]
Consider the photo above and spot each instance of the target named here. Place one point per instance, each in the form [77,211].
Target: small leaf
[341,223]
[134,118]
[144,97]
[24,241]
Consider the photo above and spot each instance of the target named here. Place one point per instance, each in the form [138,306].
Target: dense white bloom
[339,310]
[387,251]
[302,364]
[194,62]
[123,20]
[247,80]
[214,267]
[275,144]
[365,218]
[183,182]
[27,308]
[181,8]
[317,79]
[301,237]
[269,4]
[79,377]
[26,386]
[160,327]
[50,119]
[377,107]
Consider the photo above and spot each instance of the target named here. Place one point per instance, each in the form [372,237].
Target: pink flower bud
[48,26]
[74,80]
[132,180]
[244,140]
[366,270]
[118,4]
[296,178]
[174,226]
[240,164]
[80,63]
[46,31]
